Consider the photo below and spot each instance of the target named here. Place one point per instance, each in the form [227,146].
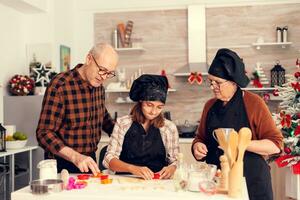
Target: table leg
[30,165]
[12,172]
[4,181]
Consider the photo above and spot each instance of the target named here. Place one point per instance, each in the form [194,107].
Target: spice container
[285,34]
[278,34]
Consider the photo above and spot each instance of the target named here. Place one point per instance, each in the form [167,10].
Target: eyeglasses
[103,71]
[217,84]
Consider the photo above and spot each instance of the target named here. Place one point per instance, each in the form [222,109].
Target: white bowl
[16,144]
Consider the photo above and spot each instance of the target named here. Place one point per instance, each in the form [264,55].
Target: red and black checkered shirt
[73,114]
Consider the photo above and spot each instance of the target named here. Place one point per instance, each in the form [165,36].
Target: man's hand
[200,150]
[167,172]
[143,172]
[85,163]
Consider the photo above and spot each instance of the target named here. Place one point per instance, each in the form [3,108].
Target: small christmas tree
[288,120]
[259,77]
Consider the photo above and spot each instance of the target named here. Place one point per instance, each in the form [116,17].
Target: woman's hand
[200,150]
[167,172]
[143,172]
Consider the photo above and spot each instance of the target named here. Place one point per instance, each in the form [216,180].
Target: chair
[101,158]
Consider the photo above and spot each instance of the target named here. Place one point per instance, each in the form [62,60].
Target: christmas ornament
[287,150]
[21,85]
[42,75]
[275,92]
[266,97]
[195,77]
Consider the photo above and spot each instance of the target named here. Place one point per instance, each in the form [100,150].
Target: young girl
[144,142]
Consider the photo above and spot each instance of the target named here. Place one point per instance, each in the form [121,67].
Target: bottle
[284,34]
[115,38]
[180,175]
[116,116]
[279,36]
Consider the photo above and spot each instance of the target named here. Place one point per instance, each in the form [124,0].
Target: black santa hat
[149,87]
[228,65]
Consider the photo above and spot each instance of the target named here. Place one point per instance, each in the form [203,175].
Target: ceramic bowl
[16,144]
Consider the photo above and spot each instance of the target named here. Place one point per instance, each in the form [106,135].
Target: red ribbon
[195,77]
[296,86]
[285,120]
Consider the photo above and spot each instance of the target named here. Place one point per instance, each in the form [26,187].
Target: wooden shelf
[184,74]
[266,89]
[282,44]
[132,49]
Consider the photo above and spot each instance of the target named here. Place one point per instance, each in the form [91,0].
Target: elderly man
[73,112]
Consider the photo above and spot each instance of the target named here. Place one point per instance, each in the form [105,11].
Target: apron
[256,170]
[143,148]
[64,164]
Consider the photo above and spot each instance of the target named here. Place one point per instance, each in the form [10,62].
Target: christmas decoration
[163,73]
[288,120]
[21,85]
[277,75]
[266,97]
[259,77]
[195,77]
[42,75]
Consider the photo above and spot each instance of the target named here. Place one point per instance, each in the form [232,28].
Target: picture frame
[65,58]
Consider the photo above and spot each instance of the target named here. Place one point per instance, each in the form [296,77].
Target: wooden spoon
[223,142]
[233,146]
[221,138]
[245,135]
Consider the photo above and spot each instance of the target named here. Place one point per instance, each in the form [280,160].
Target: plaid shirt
[169,135]
[73,114]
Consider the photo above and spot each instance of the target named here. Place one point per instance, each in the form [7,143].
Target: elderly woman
[234,108]
[144,142]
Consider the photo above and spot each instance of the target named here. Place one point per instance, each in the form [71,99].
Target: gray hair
[101,48]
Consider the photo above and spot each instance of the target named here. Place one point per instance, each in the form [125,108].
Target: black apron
[143,148]
[234,115]
[64,164]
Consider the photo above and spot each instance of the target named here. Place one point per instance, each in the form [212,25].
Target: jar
[48,169]
[196,177]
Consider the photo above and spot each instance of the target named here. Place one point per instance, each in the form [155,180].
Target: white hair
[101,48]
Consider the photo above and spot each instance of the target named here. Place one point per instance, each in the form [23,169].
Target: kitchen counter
[124,187]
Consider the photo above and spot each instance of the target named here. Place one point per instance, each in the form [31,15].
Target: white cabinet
[10,157]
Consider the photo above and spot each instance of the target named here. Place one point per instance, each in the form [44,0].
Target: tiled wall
[164,36]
